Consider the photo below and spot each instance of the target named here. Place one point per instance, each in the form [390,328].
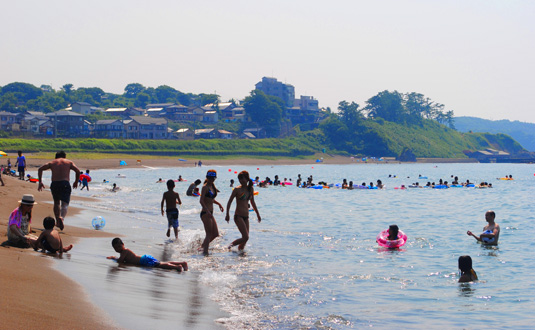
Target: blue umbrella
[182,160]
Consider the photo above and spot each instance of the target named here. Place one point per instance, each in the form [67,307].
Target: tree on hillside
[133,89]
[350,114]
[142,99]
[22,91]
[263,111]
[166,94]
[386,105]
[67,88]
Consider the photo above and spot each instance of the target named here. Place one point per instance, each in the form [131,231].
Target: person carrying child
[85,180]
[491,232]
[126,256]
[170,199]
[49,240]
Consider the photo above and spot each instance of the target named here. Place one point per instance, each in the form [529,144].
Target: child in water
[465,267]
[171,199]
[129,257]
[393,231]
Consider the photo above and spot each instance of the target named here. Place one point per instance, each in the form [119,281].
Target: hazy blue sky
[476,57]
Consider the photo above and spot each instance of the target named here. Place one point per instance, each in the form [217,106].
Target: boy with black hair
[129,257]
[170,198]
[49,240]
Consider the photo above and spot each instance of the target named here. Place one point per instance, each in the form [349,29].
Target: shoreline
[133,161]
[35,293]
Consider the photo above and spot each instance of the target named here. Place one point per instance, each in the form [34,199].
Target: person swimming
[468,274]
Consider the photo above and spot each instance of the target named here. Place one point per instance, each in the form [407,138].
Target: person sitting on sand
[49,240]
[491,232]
[18,228]
[467,272]
[192,189]
[2,181]
[126,256]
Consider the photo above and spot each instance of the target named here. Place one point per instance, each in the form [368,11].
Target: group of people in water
[394,238]
[243,194]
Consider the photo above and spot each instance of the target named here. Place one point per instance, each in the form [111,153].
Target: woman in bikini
[244,195]
[207,200]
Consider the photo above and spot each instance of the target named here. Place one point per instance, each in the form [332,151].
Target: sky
[477,57]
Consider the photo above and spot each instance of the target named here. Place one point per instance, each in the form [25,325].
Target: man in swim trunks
[491,232]
[60,186]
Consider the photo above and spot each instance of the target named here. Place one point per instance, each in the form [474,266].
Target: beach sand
[33,294]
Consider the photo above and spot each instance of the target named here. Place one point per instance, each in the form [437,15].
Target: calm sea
[313,263]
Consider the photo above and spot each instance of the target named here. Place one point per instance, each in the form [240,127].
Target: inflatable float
[85,176]
[382,240]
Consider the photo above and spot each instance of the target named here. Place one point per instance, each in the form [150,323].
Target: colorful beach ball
[98,222]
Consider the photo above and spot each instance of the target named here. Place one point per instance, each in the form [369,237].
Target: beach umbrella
[2,153]
[182,160]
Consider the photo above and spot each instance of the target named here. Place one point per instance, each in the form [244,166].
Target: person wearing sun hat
[18,229]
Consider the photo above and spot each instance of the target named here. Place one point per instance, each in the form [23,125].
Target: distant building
[68,123]
[83,108]
[273,87]
[7,119]
[141,127]
[206,133]
[184,134]
[109,128]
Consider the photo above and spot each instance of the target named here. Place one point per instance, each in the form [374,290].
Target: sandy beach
[33,294]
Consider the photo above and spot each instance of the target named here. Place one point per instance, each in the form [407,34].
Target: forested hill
[522,132]
[392,122]
[426,139]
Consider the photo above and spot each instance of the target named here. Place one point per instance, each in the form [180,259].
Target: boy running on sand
[170,198]
[49,240]
[129,257]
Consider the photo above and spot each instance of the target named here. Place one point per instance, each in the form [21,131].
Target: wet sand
[34,294]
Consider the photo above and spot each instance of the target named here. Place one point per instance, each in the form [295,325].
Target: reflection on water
[466,290]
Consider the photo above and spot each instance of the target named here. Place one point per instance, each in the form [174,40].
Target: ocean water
[313,262]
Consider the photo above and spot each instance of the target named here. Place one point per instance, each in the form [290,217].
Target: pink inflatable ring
[382,239]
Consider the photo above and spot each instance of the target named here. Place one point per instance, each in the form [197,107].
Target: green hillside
[522,132]
[431,139]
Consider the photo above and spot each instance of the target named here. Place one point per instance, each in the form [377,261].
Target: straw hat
[27,199]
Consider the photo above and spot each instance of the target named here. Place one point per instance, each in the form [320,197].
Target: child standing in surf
[170,198]
[244,195]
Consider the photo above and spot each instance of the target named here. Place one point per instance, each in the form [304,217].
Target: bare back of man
[60,186]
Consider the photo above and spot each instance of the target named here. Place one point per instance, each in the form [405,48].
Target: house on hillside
[7,119]
[184,134]
[125,113]
[222,134]
[206,133]
[68,123]
[109,129]
[258,133]
[83,108]
[141,127]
